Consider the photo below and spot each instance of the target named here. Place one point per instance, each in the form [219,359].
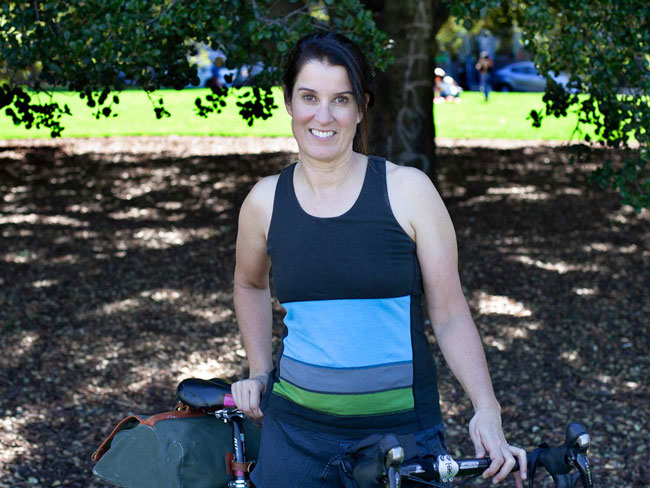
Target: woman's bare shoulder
[263,191]
[265,186]
[409,182]
[257,208]
[416,203]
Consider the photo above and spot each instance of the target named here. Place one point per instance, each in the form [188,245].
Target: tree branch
[283,21]
[255,9]
[162,12]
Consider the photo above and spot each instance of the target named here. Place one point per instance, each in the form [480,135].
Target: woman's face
[324,113]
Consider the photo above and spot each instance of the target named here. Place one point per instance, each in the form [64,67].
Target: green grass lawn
[503,116]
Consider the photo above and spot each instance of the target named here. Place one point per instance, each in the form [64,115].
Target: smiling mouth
[322,134]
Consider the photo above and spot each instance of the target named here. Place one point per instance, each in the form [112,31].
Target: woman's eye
[341,99]
[308,98]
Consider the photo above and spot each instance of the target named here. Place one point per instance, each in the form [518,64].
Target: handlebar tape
[553,459]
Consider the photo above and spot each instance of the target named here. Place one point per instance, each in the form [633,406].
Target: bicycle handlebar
[558,461]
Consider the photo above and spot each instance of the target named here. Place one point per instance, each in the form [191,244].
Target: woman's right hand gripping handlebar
[247,394]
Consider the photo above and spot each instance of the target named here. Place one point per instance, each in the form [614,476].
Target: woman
[355,241]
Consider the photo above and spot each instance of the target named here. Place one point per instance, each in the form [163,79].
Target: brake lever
[581,462]
[577,455]
[393,458]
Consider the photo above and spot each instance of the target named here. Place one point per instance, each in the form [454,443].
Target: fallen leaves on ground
[116,265]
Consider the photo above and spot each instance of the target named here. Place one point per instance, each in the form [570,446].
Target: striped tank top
[354,358]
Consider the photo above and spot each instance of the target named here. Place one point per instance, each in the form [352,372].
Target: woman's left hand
[487,435]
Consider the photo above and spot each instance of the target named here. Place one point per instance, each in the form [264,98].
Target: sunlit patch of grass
[135,116]
[504,116]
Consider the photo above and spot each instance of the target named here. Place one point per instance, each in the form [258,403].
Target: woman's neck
[326,176]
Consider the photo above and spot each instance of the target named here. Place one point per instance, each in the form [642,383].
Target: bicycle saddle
[198,393]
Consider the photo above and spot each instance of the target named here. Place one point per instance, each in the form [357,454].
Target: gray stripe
[347,380]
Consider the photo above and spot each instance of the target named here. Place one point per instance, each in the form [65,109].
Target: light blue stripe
[349,333]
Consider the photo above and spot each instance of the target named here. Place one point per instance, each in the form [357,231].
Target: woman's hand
[247,394]
[487,435]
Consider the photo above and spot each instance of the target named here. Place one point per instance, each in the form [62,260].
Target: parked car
[523,76]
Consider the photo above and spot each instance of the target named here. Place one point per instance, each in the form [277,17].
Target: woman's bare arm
[419,208]
[252,295]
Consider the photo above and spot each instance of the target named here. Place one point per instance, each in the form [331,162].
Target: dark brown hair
[336,50]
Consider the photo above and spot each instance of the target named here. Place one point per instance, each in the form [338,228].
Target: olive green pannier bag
[186,448]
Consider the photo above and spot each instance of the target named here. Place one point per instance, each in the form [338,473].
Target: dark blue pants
[294,457]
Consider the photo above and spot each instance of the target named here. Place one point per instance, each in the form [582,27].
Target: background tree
[402,126]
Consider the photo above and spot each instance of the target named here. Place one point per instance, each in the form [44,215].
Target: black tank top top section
[354,358]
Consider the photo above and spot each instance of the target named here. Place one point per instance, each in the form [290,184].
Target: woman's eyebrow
[304,88]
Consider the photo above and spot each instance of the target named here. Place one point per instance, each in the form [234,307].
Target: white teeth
[323,134]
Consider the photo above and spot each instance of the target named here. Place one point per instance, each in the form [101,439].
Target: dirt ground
[116,262]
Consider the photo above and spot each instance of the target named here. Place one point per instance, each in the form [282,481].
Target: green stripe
[383,402]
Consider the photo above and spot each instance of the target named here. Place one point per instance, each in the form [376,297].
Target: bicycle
[387,469]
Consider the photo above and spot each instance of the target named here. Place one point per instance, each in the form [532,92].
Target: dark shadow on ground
[116,277]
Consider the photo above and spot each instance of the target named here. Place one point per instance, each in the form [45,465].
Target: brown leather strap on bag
[176,414]
[181,411]
[107,443]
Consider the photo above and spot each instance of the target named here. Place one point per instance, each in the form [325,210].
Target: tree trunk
[401,124]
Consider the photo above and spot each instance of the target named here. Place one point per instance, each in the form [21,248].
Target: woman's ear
[287,100]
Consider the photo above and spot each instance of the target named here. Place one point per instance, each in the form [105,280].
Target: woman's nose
[323,113]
